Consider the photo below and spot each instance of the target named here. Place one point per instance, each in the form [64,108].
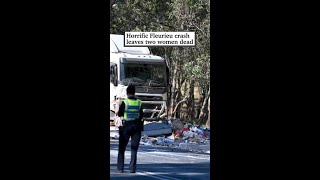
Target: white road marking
[161,157]
[144,174]
[156,176]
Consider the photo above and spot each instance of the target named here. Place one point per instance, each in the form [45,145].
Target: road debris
[176,124]
[173,134]
[157,129]
[188,137]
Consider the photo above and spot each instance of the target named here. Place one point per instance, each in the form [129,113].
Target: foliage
[188,65]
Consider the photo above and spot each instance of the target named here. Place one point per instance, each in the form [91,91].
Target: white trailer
[137,66]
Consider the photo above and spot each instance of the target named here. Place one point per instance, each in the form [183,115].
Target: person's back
[132,125]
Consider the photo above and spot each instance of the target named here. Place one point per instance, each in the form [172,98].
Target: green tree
[189,66]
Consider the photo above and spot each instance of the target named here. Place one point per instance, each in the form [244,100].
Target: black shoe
[132,171]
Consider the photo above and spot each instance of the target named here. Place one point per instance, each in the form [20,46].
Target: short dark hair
[131,89]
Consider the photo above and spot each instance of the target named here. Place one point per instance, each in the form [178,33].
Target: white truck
[137,66]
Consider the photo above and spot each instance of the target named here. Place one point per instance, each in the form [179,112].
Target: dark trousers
[130,129]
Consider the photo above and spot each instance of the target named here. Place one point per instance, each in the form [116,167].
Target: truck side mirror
[115,75]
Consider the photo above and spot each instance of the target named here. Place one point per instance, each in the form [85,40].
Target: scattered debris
[156,126]
[114,134]
[144,138]
[173,134]
[207,132]
[176,124]
[158,132]
[157,129]
[195,147]
[187,137]
[187,125]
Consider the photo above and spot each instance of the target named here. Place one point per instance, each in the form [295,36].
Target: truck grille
[150,98]
[150,106]
[151,90]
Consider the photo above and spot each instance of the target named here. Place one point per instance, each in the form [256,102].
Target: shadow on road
[143,148]
[195,171]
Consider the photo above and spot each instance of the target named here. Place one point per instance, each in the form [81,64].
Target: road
[162,163]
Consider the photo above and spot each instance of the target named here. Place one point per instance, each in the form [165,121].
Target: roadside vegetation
[189,66]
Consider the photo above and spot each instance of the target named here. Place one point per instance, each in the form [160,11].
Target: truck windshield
[144,74]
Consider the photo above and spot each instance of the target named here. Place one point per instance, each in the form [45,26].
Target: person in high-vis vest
[132,125]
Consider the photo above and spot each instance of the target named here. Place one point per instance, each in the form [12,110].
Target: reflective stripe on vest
[132,109]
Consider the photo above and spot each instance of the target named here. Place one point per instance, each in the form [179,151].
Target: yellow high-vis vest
[132,109]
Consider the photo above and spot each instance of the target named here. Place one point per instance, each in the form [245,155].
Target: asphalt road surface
[161,163]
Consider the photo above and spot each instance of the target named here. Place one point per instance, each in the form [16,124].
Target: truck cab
[137,66]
